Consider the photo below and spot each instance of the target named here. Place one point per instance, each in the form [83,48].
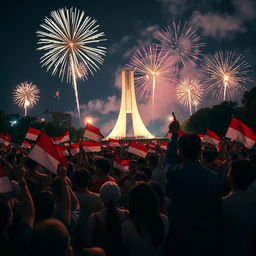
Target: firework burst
[26,95]
[152,69]
[182,42]
[189,92]
[228,72]
[69,39]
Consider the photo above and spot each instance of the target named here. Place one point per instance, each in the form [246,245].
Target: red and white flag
[5,184]
[4,140]
[92,132]
[120,164]
[169,134]
[63,150]
[114,143]
[47,154]
[74,149]
[62,139]
[25,144]
[138,149]
[91,146]
[201,136]
[163,145]
[152,146]
[212,138]
[32,134]
[240,132]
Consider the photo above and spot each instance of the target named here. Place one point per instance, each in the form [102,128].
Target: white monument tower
[129,105]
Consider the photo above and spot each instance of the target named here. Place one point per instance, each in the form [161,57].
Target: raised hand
[174,126]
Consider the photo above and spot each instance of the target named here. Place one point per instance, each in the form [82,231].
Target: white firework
[71,39]
[26,95]
[189,92]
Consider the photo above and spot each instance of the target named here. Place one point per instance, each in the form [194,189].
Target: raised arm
[28,209]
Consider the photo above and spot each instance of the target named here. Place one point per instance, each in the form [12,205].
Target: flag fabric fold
[74,149]
[62,139]
[212,138]
[240,132]
[4,140]
[91,146]
[138,149]
[63,150]
[92,132]
[32,134]
[47,154]
[114,143]
[122,165]
[25,144]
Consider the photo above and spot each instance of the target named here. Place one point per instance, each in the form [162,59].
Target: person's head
[101,166]
[241,174]
[51,238]
[132,167]
[82,178]
[159,192]
[209,156]
[140,176]
[45,205]
[153,160]
[32,186]
[110,193]
[189,146]
[147,171]
[6,212]
[144,209]
[141,163]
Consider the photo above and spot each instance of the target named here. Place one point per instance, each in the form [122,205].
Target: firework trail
[68,39]
[153,70]
[26,95]
[182,42]
[228,74]
[189,91]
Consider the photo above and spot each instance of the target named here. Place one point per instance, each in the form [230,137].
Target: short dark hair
[50,237]
[141,176]
[44,204]
[153,160]
[209,155]
[30,164]
[102,163]
[242,174]
[82,178]
[190,145]
[147,171]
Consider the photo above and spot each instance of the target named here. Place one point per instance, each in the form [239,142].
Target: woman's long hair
[144,212]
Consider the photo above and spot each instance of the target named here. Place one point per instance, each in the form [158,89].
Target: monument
[129,106]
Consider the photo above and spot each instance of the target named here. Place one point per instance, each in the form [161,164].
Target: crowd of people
[189,200]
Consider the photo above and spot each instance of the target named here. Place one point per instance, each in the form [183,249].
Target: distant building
[61,119]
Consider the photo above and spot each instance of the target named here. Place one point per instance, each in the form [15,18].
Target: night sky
[128,25]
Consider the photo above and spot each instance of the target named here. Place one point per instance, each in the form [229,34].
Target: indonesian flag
[25,144]
[8,137]
[152,146]
[32,134]
[138,149]
[169,134]
[122,165]
[201,136]
[91,146]
[212,138]
[62,139]
[5,184]
[57,94]
[63,150]
[74,149]
[163,145]
[242,133]
[92,132]
[114,143]
[4,140]
[47,154]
